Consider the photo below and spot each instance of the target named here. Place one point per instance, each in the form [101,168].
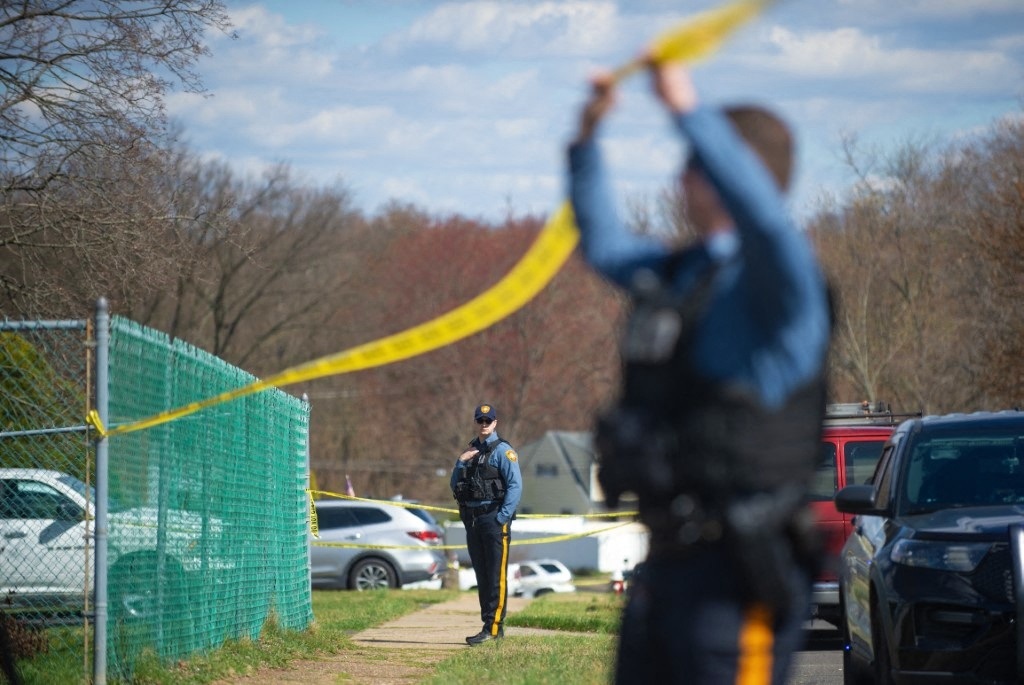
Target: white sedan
[528,578]
[542,576]
[467,579]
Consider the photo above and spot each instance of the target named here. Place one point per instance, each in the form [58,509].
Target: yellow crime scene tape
[528,541]
[694,39]
[447,510]
[314,527]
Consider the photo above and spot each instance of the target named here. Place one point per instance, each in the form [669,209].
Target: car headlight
[941,556]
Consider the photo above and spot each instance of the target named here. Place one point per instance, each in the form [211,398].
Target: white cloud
[218,109]
[848,53]
[339,124]
[269,46]
[514,29]
[271,31]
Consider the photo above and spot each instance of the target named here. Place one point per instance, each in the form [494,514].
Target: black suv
[932,576]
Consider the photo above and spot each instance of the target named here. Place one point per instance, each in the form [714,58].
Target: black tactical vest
[674,431]
[479,481]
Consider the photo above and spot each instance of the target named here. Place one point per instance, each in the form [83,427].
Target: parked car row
[928,584]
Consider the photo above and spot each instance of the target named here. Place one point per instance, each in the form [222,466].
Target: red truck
[852,442]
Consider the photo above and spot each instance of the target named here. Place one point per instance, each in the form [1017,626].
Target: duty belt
[482,509]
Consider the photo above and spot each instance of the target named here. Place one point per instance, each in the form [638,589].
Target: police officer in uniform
[717,427]
[487,485]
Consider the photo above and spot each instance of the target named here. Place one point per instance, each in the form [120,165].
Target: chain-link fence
[45,564]
[203,532]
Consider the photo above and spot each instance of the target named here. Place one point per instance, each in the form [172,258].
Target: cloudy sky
[466,106]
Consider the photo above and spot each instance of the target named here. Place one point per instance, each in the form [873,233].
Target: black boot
[485,636]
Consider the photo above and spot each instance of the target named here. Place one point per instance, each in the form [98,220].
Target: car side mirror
[857,499]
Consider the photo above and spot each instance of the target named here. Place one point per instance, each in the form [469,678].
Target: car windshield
[87,491]
[963,469]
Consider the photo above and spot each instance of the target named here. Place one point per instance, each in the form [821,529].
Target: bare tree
[256,260]
[102,233]
[996,227]
[918,257]
[82,122]
[864,344]
[83,76]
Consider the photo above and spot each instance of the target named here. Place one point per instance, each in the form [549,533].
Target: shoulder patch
[512,456]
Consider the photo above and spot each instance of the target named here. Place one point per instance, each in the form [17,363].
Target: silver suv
[372,545]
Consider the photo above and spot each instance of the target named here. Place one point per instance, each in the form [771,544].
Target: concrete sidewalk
[440,626]
[419,640]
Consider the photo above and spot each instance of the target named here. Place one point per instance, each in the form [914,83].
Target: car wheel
[372,574]
[880,646]
[542,591]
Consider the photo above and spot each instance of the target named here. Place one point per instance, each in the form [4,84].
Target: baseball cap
[486,411]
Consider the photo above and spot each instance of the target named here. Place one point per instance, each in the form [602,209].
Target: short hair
[768,136]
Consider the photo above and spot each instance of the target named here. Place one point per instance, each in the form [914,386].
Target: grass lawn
[582,656]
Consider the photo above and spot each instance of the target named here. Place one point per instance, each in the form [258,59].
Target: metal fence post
[102,492]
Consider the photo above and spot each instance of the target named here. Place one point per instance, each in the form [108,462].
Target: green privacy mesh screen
[207,514]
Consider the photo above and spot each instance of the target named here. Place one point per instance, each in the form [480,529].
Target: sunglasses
[483,421]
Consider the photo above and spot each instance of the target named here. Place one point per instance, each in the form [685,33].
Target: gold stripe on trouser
[756,641]
[502,581]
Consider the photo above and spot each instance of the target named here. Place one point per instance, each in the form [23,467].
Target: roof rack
[868,413]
